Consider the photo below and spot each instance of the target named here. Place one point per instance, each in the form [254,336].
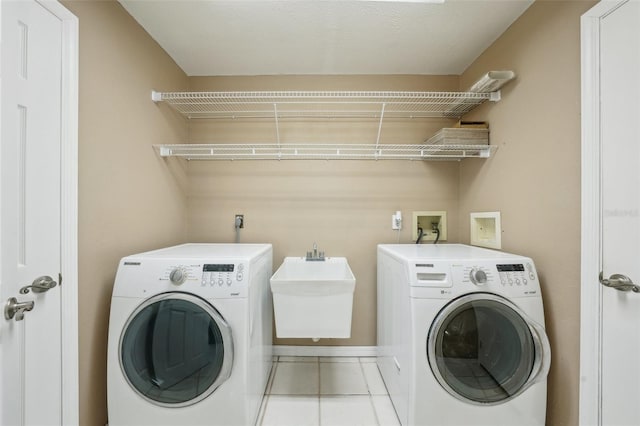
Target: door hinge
[60,278]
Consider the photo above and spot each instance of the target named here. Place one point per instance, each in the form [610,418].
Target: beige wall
[534,178]
[129,199]
[343,206]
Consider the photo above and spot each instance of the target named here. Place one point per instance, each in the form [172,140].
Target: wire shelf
[319,104]
[324,151]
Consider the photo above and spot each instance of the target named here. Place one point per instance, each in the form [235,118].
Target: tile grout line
[383,382]
[267,395]
[272,376]
[371,403]
[395,413]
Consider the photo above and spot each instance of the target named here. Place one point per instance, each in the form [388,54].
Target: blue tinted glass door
[481,350]
[176,349]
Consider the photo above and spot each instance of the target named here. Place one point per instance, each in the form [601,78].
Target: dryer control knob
[478,276]
[178,276]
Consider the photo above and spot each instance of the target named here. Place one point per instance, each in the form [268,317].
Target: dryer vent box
[486,230]
[427,220]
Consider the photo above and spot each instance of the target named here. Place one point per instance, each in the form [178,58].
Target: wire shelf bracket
[319,104]
[291,105]
[324,151]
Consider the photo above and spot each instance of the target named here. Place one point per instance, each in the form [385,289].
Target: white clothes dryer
[190,336]
[461,338]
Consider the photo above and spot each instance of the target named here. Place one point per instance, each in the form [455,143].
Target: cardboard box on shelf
[471,124]
[460,136]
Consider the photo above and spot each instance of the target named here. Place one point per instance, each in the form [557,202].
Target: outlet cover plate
[486,230]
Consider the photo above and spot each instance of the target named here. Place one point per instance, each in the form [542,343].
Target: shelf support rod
[380,124]
[156,96]
[275,115]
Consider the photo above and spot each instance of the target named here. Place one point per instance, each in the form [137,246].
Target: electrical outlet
[239,221]
[428,220]
[396,220]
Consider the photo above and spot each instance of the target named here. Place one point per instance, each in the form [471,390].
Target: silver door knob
[16,309]
[39,285]
[619,282]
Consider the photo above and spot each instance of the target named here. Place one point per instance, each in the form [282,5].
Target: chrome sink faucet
[315,255]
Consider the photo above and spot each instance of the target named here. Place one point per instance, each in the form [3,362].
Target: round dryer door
[176,349]
[484,350]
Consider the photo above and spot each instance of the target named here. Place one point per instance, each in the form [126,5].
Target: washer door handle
[543,352]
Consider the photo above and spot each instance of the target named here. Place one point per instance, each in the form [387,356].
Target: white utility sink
[313,298]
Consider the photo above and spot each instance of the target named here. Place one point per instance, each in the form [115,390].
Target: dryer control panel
[210,271]
[504,276]
[225,279]
[516,274]
[445,271]
[222,274]
[208,274]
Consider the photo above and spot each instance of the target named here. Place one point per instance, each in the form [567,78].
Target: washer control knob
[178,276]
[478,276]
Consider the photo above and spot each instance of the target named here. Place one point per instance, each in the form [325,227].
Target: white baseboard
[282,350]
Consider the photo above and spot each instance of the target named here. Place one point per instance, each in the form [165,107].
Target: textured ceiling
[271,37]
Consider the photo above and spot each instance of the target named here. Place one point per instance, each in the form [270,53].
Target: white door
[615,383]
[620,130]
[30,218]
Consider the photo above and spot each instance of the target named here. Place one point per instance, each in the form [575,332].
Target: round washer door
[484,350]
[175,350]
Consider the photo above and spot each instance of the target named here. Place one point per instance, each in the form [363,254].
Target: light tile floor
[326,391]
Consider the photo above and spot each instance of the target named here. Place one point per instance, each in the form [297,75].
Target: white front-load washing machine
[461,338]
[190,336]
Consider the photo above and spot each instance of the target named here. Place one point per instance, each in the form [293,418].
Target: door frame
[591,245]
[69,210]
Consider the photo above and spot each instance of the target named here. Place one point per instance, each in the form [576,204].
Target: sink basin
[296,275]
[313,298]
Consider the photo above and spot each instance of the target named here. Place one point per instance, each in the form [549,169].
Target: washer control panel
[178,275]
[516,274]
[221,274]
[228,279]
[509,276]
[478,276]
